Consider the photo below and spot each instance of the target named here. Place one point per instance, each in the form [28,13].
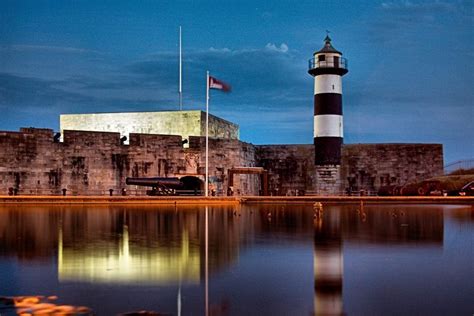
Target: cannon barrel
[172,183]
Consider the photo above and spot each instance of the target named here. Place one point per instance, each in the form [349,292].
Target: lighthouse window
[321,57]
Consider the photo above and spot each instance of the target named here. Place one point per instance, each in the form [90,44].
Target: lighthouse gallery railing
[338,63]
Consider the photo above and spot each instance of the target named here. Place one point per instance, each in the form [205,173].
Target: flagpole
[180,72]
[206,261]
[206,185]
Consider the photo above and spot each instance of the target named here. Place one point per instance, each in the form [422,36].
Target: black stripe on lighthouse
[329,103]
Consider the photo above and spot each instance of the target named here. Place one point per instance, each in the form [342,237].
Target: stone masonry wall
[92,163]
[224,155]
[291,168]
[370,166]
[328,180]
[364,167]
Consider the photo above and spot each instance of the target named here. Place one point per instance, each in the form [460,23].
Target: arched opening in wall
[192,184]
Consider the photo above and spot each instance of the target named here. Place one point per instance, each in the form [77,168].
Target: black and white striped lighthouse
[327,67]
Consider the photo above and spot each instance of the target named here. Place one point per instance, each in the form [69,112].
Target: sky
[411,69]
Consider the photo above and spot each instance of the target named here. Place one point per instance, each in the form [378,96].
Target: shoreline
[171,200]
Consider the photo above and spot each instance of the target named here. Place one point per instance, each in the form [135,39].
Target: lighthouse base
[328,180]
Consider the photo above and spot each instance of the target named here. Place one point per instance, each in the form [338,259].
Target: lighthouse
[327,67]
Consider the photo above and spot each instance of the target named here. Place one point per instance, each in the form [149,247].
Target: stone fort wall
[364,166]
[92,163]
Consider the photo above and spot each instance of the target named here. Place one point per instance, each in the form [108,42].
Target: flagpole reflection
[178,303]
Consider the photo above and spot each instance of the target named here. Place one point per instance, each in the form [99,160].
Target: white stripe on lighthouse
[328,84]
[328,125]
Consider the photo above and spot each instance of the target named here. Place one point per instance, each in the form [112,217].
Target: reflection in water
[332,225]
[28,233]
[218,266]
[394,225]
[39,305]
[122,262]
[328,263]
[147,248]
[121,245]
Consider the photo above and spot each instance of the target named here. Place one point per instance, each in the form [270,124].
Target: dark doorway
[249,170]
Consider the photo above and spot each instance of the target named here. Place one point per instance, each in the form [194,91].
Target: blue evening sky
[410,64]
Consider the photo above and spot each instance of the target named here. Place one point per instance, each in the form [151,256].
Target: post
[206,184]
[206,261]
[180,73]
[265,183]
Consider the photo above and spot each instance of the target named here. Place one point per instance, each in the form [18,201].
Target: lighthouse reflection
[328,263]
[404,227]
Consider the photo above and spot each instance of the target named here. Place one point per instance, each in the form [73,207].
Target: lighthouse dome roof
[328,48]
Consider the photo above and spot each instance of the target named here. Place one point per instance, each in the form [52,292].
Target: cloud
[272,47]
[45,48]
[220,50]
[30,95]
[25,92]
[26,101]
[258,72]
[408,20]
[265,81]
[418,6]
[270,82]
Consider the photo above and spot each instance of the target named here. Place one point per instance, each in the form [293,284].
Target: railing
[346,193]
[338,63]
[115,192]
[459,165]
[48,192]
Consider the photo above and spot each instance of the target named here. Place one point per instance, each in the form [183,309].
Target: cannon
[387,190]
[160,186]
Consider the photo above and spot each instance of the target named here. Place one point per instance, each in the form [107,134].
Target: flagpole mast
[180,72]
[206,185]
[206,260]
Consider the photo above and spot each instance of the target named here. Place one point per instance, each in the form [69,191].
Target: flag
[219,85]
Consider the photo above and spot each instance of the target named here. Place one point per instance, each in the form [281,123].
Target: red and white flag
[219,85]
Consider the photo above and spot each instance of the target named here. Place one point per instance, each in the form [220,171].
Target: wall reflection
[121,245]
[28,233]
[165,245]
[395,225]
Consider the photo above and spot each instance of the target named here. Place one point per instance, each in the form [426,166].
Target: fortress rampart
[363,166]
[92,163]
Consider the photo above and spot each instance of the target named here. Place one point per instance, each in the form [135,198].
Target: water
[255,260]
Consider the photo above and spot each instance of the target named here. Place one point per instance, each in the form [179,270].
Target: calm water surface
[247,260]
